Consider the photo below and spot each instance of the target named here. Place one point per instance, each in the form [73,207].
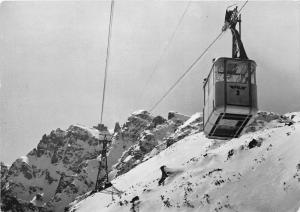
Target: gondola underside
[228,125]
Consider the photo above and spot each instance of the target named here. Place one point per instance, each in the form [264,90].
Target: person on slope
[164,175]
[168,172]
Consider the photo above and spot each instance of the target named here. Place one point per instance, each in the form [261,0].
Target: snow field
[214,175]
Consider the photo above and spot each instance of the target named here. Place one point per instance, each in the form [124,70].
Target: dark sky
[52,58]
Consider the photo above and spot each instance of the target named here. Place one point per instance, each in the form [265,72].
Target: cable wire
[242,6]
[185,73]
[107,57]
[166,48]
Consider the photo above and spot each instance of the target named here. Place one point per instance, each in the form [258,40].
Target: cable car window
[219,72]
[237,71]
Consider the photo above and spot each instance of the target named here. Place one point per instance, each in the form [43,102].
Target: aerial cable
[185,73]
[107,57]
[242,6]
[166,47]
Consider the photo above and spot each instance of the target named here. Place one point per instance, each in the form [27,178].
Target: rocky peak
[4,169]
[177,116]
[117,127]
[128,135]
[143,114]
[158,120]
[151,140]
[56,171]
[135,124]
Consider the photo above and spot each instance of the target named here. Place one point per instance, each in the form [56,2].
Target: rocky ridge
[64,164]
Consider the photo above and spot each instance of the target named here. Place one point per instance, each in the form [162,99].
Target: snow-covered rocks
[257,172]
[128,135]
[149,140]
[65,163]
[214,175]
[177,116]
[53,174]
[264,120]
[190,126]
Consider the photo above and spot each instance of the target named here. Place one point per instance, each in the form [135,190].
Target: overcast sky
[52,58]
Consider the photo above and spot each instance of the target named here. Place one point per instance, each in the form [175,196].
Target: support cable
[185,73]
[107,57]
[242,6]
[167,46]
[104,142]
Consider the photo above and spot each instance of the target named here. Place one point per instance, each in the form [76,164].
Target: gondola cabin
[230,98]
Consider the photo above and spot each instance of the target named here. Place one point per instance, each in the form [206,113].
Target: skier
[164,175]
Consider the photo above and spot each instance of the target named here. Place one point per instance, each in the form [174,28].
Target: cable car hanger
[232,17]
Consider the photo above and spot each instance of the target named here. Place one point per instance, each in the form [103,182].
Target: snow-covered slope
[235,175]
[260,171]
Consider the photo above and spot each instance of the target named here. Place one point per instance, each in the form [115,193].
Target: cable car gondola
[230,96]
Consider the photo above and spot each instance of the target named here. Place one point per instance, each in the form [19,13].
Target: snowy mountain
[64,164]
[260,171]
[54,173]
